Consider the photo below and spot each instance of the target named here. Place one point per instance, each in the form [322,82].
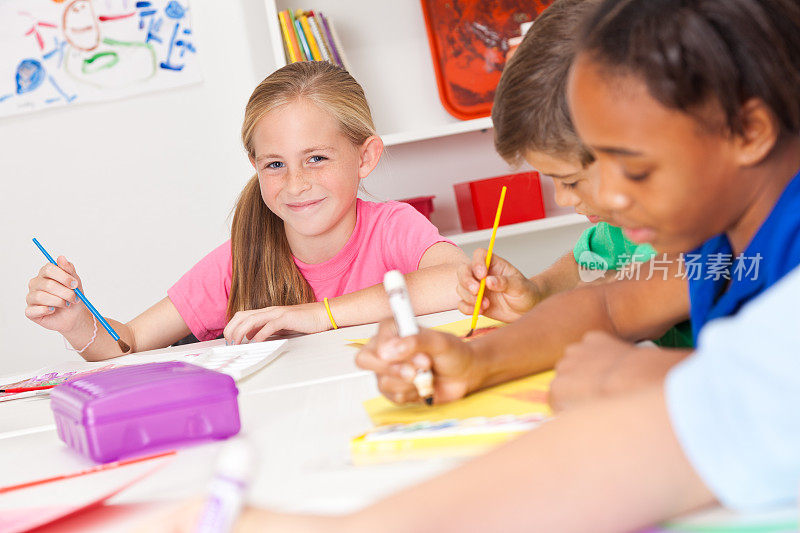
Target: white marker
[227,489]
[399,301]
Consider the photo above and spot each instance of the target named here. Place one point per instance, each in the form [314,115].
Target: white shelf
[437,124]
[465,126]
[392,61]
[523,228]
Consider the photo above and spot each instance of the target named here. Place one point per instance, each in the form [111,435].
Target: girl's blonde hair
[264,272]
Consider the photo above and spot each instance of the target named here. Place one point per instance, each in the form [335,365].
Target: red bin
[477,200]
[423,204]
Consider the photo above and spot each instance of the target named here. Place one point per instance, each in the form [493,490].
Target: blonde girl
[299,235]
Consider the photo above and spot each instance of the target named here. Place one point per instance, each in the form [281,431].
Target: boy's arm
[602,365]
[613,466]
[629,309]
[559,277]
[509,294]
[564,275]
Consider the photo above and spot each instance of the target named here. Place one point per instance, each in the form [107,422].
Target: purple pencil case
[122,411]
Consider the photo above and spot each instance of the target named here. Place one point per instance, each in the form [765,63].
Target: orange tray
[469,41]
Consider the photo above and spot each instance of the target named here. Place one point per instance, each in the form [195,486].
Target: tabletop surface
[300,412]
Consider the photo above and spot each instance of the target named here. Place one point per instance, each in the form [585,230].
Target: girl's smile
[304,206]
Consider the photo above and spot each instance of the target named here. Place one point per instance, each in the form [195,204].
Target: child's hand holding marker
[400,302]
[508,294]
[397,360]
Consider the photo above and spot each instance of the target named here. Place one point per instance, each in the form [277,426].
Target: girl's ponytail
[264,272]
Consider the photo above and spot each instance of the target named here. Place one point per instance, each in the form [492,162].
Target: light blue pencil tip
[41,249]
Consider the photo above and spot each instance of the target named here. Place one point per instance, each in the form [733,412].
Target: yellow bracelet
[330,315]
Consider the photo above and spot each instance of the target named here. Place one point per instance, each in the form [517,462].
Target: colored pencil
[301,37]
[312,42]
[289,40]
[477,311]
[337,43]
[329,38]
[122,344]
[14,390]
[90,470]
[318,35]
[295,25]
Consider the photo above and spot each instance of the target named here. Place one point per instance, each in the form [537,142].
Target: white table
[300,412]
[309,360]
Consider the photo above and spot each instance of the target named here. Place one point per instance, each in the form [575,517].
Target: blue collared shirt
[774,251]
[733,404]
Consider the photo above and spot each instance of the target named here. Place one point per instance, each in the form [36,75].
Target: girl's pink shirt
[387,236]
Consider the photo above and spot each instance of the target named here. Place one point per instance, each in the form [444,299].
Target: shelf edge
[523,228]
[435,132]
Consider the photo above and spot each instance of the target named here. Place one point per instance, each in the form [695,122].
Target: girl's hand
[396,360]
[508,294]
[51,299]
[258,324]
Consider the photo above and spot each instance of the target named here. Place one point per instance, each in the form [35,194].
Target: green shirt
[605,247]
[611,245]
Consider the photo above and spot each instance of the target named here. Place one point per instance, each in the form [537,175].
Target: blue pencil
[122,344]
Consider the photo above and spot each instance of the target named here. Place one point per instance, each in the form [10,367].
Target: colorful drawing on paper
[238,361]
[51,377]
[63,52]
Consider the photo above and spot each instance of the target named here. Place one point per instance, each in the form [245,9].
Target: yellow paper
[520,397]
[364,452]
[458,328]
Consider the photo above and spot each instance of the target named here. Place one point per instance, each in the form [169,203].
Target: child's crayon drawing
[237,361]
[50,378]
[55,53]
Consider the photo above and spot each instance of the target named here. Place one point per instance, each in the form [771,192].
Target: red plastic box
[423,204]
[477,200]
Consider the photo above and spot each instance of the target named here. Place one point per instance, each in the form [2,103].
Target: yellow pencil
[312,43]
[477,311]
